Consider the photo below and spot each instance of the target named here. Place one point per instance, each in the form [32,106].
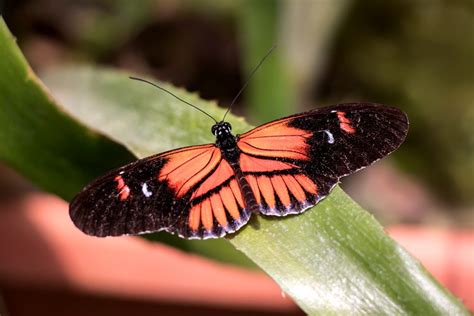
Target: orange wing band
[266,188]
[218,210]
[253,164]
[287,148]
[307,184]
[186,168]
[215,207]
[299,186]
[215,211]
[277,140]
[222,174]
[281,190]
[195,217]
[294,187]
[272,129]
[254,186]
[230,204]
[206,215]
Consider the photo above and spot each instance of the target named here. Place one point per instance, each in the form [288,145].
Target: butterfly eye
[228,126]
[214,129]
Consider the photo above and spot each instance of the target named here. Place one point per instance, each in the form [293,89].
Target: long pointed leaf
[332,259]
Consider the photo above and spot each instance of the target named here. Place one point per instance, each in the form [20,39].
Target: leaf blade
[25,106]
[343,262]
[313,256]
[60,154]
[339,241]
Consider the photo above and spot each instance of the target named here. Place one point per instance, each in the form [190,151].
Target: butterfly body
[227,143]
[280,168]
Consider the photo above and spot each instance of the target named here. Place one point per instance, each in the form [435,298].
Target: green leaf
[332,259]
[258,21]
[40,139]
[336,259]
[144,119]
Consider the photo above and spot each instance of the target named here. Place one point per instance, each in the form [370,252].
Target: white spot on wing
[330,137]
[145,190]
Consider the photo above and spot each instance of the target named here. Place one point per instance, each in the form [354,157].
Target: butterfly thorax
[225,140]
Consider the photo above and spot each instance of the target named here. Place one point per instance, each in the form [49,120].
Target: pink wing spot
[122,188]
[345,123]
[120,182]
[124,193]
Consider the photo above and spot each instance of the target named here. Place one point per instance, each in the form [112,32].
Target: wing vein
[182,164]
[277,150]
[204,167]
[275,136]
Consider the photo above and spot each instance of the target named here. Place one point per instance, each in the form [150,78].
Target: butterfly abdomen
[231,153]
[249,197]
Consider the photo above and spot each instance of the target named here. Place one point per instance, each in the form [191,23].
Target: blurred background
[416,55]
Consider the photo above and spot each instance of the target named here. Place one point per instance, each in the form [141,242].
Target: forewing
[348,137]
[294,162]
[151,194]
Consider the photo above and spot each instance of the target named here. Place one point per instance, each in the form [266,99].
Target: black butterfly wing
[349,137]
[148,195]
[294,162]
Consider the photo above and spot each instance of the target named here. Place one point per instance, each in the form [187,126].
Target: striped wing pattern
[306,154]
[147,195]
[289,164]
[273,157]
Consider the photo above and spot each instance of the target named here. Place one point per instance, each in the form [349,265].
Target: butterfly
[207,191]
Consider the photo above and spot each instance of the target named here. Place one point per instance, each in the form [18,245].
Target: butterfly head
[224,138]
[221,129]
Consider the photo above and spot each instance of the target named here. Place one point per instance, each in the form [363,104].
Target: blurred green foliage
[324,261]
[413,54]
[417,55]
[147,122]
[271,93]
[109,29]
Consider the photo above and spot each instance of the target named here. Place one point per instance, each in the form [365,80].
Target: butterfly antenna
[248,80]
[174,95]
